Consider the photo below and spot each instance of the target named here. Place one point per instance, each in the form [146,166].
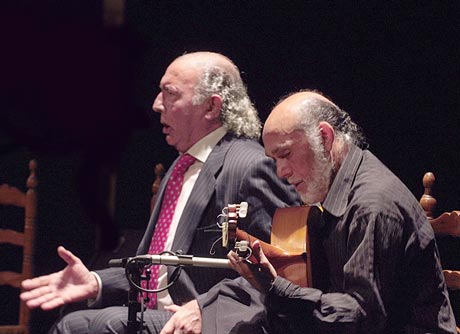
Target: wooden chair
[129,239]
[444,225]
[11,196]
[159,172]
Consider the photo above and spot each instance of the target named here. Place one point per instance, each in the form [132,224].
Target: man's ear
[214,108]
[327,134]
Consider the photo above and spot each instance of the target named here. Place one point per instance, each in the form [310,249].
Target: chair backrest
[159,172]
[446,224]
[11,196]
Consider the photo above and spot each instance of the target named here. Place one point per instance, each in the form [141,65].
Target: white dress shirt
[200,151]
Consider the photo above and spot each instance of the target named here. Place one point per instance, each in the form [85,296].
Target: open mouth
[166,128]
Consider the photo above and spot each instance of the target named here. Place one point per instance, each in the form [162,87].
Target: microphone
[171,260]
[231,212]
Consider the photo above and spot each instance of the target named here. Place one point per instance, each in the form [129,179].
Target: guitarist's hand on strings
[257,270]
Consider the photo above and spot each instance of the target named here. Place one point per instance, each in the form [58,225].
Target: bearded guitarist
[383,270]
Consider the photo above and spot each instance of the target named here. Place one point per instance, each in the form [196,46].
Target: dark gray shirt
[381,270]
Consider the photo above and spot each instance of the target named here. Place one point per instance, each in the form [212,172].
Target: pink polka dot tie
[168,205]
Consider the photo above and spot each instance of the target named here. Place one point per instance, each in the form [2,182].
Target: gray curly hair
[313,111]
[238,115]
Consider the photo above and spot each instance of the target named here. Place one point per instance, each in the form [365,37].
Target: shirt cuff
[94,301]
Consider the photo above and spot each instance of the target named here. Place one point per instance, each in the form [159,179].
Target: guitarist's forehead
[278,143]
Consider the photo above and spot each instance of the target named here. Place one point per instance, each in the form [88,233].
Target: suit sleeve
[115,287]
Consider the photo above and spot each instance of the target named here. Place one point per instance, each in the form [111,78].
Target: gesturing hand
[71,284]
[259,274]
[186,319]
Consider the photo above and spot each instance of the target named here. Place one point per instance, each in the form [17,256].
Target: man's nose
[283,170]
[157,105]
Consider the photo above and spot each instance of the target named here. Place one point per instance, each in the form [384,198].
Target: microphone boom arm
[172,260]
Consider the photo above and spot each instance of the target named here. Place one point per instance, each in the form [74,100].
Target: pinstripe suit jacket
[236,170]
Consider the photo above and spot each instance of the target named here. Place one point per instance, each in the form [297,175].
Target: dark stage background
[76,92]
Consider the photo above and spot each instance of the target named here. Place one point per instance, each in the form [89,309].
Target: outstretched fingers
[36,282]
[73,283]
[44,297]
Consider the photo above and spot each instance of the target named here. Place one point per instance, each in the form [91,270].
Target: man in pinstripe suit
[205,112]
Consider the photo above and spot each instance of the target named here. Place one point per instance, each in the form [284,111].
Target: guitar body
[290,232]
[289,251]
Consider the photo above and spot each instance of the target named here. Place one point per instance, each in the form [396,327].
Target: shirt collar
[337,198]
[202,148]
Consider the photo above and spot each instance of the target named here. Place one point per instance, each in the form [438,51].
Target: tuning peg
[243,209]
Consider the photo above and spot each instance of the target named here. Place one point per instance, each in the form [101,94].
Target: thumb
[68,256]
[259,254]
[257,251]
[173,308]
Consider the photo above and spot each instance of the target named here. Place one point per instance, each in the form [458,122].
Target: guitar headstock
[232,213]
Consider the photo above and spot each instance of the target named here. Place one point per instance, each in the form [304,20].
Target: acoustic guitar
[289,250]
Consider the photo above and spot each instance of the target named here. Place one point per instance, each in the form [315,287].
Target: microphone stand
[135,269]
[135,266]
